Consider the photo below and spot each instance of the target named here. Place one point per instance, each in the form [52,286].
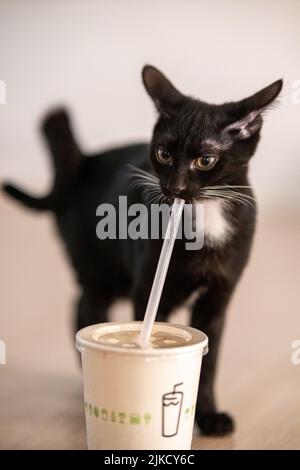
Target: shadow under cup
[140,398]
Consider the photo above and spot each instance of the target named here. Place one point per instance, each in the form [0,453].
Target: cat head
[197,145]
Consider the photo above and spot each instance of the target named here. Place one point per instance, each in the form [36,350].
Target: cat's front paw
[215,424]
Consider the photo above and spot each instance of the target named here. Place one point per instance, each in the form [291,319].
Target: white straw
[161,272]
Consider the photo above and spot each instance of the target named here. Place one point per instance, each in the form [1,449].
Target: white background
[88,56]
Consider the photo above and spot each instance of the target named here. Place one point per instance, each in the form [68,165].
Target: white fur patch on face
[217,228]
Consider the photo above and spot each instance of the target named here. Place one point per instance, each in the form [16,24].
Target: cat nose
[176,189]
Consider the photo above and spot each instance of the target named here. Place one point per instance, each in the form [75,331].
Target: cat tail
[66,161]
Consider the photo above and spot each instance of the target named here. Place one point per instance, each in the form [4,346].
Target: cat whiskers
[149,185]
[139,176]
[156,197]
[230,194]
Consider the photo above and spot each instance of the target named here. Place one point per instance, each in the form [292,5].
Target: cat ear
[246,115]
[165,96]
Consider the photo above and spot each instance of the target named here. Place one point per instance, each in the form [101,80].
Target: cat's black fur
[110,269]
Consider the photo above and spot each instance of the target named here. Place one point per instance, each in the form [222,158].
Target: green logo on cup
[117,417]
[135,418]
[122,417]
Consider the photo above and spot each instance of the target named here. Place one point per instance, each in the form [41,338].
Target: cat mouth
[181,195]
[171,197]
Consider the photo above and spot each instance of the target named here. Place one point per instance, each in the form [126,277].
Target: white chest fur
[217,228]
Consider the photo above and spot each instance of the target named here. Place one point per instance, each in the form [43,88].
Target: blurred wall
[88,55]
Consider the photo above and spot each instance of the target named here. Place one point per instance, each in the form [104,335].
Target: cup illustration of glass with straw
[171,411]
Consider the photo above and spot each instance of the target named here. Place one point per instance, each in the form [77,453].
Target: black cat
[199,152]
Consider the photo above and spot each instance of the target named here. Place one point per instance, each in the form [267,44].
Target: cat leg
[140,300]
[172,296]
[208,315]
[92,308]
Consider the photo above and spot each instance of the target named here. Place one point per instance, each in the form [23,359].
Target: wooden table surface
[40,386]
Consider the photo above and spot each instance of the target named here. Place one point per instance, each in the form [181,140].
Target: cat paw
[215,424]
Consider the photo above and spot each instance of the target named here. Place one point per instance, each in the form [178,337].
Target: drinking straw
[161,272]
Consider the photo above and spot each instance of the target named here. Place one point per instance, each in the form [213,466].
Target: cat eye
[163,156]
[205,163]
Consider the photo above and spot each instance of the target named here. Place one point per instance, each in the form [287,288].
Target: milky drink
[140,398]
